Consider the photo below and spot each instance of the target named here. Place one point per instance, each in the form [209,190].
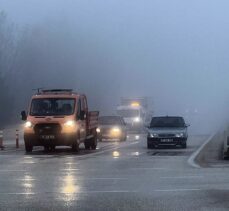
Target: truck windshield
[167,122]
[52,107]
[128,113]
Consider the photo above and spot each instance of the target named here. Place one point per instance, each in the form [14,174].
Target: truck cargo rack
[56,91]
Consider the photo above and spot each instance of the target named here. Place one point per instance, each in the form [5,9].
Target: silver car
[167,130]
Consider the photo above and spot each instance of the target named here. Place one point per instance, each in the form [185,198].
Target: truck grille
[47,129]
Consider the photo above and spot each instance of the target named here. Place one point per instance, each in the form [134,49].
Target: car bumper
[166,141]
[44,140]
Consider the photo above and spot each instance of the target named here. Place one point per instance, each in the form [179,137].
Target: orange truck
[59,117]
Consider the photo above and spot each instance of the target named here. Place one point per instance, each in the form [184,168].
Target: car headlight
[137,119]
[180,135]
[69,123]
[153,135]
[28,124]
[116,130]
[98,130]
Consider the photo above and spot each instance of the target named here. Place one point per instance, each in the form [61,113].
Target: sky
[176,51]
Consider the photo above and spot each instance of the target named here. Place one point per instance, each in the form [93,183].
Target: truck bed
[93,118]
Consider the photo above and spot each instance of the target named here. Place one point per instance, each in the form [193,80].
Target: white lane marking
[182,177]
[174,190]
[22,193]
[9,170]
[149,168]
[70,169]
[192,158]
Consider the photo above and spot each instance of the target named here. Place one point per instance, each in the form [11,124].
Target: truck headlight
[28,124]
[69,123]
[98,130]
[180,135]
[137,119]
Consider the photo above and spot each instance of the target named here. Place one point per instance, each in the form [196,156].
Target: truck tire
[28,147]
[93,143]
[87,144]
[75,146]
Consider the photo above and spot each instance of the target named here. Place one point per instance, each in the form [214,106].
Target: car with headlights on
[167,131]
[112,128]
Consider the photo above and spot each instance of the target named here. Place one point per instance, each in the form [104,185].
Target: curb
[192,158]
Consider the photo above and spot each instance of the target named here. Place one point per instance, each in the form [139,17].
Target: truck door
[83,117]
[81,120]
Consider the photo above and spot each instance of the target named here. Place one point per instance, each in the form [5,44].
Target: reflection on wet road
[117,176]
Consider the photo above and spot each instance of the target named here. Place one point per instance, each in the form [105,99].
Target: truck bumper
[45,140]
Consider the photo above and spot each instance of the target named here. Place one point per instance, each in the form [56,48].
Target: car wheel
[184,145]
[28,148]
[149,146]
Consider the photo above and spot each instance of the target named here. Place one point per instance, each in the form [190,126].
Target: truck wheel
[28,148]
[87,144]
[75,146]
[93,143]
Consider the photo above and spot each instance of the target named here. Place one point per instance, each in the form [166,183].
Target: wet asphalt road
[117,176]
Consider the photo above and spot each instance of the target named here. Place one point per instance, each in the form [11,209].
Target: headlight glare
[180,135]
[137,119]
[69,123]
[98,130]
[153,135]
[28,124]
[116,130]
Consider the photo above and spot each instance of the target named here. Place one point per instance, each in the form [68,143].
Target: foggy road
[117,176]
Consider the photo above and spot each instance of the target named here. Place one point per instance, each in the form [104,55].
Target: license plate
[48,137]
[166,140]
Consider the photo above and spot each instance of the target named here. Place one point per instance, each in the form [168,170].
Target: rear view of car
[111,128]
[168,130]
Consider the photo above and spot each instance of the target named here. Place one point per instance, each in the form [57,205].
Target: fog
[175,52]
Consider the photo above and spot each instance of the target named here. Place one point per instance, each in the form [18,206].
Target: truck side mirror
[82,115]
[23,116]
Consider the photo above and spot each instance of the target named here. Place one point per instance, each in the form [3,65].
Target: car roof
[167,117]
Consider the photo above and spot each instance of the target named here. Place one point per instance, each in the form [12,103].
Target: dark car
[167,130]
[112,128]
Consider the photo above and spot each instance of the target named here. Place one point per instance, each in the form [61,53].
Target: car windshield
[167,122]
[128,113]
[52,107]
[110,120]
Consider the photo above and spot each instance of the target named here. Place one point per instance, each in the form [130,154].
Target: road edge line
[192,158]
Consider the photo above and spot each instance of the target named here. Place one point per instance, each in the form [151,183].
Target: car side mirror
[23,116]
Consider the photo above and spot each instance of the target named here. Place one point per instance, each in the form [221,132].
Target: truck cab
[133,115]
[59,118]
